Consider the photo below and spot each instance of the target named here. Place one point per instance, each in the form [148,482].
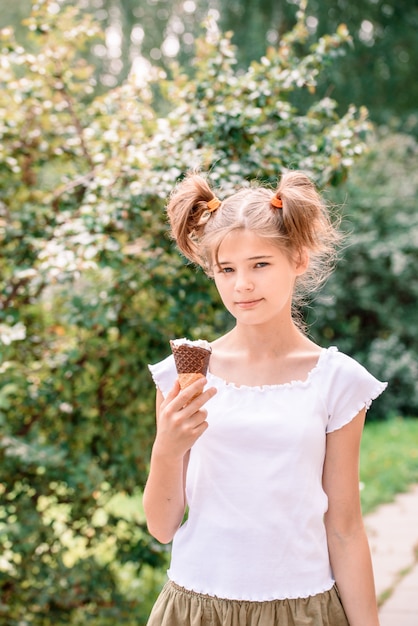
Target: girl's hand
[181,419]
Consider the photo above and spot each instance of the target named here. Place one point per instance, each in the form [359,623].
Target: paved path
[393,536]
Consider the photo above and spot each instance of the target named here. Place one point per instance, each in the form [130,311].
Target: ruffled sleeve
[349,389]
[164,374]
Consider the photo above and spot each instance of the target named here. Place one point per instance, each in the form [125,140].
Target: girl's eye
[261,264]
[226,270]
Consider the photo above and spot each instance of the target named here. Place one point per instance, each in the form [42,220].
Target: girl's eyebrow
[251,258]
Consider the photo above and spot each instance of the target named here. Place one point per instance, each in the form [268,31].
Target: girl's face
[255,279]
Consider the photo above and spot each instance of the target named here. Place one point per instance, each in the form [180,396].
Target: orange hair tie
[214,204]
[276,202]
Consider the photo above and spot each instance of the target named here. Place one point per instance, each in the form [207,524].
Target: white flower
[12,333]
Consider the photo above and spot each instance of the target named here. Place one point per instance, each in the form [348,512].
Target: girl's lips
[248,304]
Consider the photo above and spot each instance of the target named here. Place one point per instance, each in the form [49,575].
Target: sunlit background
[142,34]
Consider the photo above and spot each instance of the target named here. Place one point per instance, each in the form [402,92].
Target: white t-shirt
[255,528]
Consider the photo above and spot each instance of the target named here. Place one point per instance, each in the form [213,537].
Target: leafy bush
[369,305]
[91,289]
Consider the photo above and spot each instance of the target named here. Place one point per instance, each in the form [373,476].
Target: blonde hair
[302,225]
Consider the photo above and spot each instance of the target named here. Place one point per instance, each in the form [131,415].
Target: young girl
[266,456]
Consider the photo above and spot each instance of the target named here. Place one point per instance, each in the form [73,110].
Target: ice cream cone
[191,359]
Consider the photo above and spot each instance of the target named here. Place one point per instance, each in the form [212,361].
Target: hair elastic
[276,201]
[214,204]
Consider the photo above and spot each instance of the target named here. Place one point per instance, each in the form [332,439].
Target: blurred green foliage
[369,305]
[378,70]
[92,289]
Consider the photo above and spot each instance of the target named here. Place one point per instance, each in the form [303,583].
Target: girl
[266,456]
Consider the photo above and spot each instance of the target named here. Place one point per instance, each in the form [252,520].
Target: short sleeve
[164,374]
[349,387]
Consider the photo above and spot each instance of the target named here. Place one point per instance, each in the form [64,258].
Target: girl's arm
[180,421]
[347,540]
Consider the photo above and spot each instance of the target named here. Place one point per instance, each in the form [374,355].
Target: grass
[389,460]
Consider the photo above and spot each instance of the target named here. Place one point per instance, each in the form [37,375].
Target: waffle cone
[187,379]
[191,361]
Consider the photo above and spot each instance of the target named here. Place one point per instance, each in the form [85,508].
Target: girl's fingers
[200,428]
[182,418]
[192,396]
[197,398]
[174,391]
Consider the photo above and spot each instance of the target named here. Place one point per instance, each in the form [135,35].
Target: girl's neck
[248,356]
[262,340]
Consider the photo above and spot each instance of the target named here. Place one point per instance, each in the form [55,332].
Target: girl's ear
[302,262]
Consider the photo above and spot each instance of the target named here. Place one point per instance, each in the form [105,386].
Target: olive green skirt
[176,606]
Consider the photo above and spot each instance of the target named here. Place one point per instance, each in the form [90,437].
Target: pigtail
[189,208]
[307,226]
[305,218]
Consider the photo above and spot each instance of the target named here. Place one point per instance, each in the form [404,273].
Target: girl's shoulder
[346,387]
[341,368]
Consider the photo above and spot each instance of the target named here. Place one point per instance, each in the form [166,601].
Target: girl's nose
[243,282]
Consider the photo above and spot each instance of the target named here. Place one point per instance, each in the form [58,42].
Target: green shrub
[91,288]
[369,305]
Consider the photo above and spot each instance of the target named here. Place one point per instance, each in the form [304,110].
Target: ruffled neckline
[323,356]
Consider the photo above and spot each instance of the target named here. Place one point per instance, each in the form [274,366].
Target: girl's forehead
[244,243]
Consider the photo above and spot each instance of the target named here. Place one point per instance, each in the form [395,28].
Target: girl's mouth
[247,304]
